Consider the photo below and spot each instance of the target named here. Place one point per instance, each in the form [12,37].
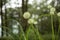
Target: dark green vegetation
[44,26]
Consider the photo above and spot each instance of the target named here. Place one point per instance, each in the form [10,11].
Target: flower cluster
[52,13]
[58,14]
[32,21]
[49,6]
[52,10]
[27,15]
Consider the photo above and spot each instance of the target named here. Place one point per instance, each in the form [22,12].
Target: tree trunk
[1,19]
[24,9]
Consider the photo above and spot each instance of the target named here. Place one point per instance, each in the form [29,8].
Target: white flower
[58,14]
[35,22]
[31,21]
[34,16]
[26,15]
[38,8]
[52,9]
[52,13]
[49,6]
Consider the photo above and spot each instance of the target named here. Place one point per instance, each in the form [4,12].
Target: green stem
[37,32]
[59,26]
[22,32]
[53,36]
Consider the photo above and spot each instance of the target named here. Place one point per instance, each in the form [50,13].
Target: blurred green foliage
[44,22]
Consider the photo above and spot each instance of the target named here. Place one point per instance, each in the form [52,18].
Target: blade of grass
[53,36]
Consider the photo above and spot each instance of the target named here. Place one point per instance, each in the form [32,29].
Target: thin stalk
[59,26]
[22,32]
[37,32]
[27,32]
[53,36]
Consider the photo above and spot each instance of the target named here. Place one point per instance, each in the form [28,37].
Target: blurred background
[11,18]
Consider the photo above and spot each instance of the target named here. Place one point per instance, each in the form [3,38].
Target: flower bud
[58,14]
[26,15]
[52,9]
[31,21]
[49,6]
[51,13]
[35,22]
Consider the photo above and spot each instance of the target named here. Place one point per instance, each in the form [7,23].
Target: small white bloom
[49,6]
[31,21]
[38,8]
[58,14]
[34,16]
[52,9]
[52,13]
[26,15]
[15,31]
[35,22]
